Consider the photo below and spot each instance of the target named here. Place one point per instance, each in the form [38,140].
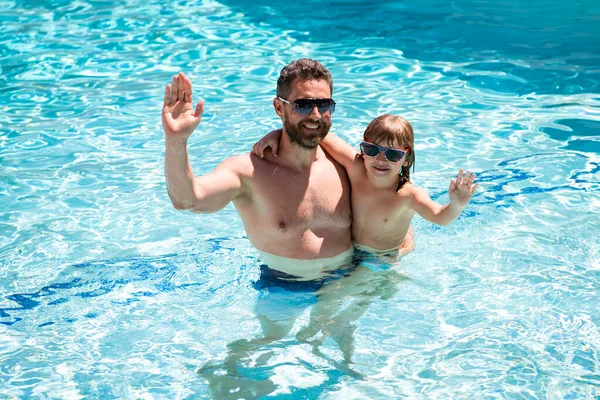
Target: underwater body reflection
[336,304]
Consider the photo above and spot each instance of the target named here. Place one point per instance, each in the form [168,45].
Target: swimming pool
[108,292]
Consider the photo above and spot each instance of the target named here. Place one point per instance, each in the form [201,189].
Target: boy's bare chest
[380,218]
[377,205]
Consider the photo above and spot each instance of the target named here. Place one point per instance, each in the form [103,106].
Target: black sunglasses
[305,106]
[373,150]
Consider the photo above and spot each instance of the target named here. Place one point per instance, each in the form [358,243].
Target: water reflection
[336,308]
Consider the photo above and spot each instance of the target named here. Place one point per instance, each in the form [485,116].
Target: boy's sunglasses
[305,106]
[373,150]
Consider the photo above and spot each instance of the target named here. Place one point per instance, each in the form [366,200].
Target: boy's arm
[408,244]
[460,192]
[341,151]
[271,140]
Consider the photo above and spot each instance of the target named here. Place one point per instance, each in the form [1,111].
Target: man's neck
[295,156]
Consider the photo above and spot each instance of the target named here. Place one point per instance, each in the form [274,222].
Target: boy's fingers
[258,150]
[474,187]
[459,177]
[275,148]
[452,185]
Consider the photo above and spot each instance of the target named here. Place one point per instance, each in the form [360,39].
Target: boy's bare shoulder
[357,167]
[409,190]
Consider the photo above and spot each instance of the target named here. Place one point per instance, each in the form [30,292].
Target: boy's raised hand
[462,188]
[271,140]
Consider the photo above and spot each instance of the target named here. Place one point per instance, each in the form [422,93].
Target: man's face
[307,131]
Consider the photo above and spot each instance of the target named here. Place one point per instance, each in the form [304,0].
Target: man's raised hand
[179,118]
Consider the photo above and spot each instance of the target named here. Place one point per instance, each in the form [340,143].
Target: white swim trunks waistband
[306,269]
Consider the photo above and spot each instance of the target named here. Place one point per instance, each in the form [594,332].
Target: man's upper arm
[215,190]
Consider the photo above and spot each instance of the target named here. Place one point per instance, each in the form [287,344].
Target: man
[296,205]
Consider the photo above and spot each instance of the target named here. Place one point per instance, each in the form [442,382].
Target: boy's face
[379,167]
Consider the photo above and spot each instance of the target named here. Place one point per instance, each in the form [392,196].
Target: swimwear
[283,296]
[393,252]
[375,259]
[307,270]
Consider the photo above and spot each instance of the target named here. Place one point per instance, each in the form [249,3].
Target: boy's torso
[381,217]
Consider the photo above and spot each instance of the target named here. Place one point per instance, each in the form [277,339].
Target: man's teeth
[312,126]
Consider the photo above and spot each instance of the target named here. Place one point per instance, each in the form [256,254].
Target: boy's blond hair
[390,130]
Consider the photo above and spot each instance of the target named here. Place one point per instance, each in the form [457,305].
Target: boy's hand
[271,140]
[179,117]
[461,190]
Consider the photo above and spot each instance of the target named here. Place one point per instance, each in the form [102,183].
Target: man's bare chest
[290,200]
[301,195]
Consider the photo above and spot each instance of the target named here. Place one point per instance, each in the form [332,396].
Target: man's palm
[179,118]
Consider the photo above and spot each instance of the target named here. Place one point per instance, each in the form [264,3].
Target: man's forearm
[179,175]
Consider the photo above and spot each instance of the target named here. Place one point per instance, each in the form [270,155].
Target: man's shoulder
[240,163]
[247,164]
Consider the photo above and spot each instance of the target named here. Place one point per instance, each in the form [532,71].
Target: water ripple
[501,302]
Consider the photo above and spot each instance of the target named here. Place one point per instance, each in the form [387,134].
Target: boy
[384,201]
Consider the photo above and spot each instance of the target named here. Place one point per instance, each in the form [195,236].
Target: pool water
[106,291]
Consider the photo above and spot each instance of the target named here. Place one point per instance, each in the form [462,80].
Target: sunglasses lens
[394,155]
[305,106]
[370,149]
[328,105]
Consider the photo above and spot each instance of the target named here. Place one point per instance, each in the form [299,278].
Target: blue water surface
[106,291]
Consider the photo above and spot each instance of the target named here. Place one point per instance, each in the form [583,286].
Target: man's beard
[306,142]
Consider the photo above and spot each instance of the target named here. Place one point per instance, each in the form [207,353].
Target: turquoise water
[106,291]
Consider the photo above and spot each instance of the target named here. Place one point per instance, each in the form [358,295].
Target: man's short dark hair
[303,69]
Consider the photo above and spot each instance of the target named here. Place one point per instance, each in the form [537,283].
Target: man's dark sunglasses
[305,106]
[373,150]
